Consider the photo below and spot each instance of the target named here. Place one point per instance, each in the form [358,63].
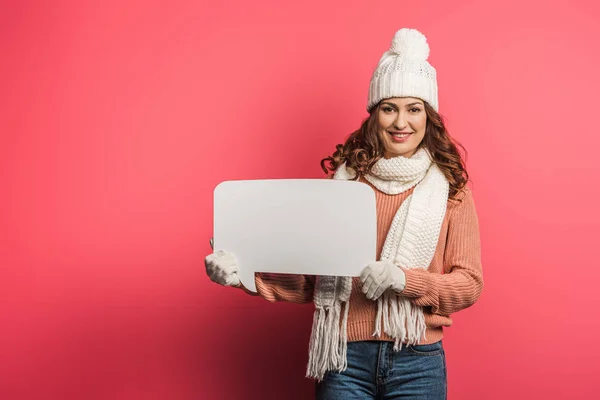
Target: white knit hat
[403,71]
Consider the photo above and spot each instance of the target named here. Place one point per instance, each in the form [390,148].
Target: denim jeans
[376,371]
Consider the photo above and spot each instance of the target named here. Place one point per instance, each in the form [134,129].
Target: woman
[380,335]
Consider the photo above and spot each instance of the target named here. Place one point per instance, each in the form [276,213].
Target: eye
[388,110]
[415,110]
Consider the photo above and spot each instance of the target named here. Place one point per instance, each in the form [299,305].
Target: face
[402,123]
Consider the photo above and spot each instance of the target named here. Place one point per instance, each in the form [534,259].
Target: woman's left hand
[379,276]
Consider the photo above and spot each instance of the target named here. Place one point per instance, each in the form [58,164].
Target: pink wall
[118,121]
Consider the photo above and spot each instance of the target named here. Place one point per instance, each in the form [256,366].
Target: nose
[400,122]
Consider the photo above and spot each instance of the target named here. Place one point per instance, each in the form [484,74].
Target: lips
[399,137]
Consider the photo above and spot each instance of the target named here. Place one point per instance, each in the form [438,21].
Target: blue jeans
[376,371]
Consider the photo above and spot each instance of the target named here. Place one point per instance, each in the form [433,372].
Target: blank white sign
[296,226]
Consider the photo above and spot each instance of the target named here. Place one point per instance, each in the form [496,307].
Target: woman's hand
[222,268]
[379,276]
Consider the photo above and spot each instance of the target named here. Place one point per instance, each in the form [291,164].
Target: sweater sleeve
[283,287]
[462,282]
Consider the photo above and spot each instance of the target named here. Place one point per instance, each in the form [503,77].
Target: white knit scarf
[410,242]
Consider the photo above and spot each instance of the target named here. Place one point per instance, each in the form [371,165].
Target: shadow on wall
[259,351]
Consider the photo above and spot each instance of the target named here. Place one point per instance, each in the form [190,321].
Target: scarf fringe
[329,339]
[328,343]
[401,320]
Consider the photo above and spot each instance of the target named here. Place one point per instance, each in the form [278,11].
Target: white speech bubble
[296,226]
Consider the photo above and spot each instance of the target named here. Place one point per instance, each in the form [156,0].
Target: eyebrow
[408,105]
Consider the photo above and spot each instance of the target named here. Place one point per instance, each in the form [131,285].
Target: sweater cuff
[416,284]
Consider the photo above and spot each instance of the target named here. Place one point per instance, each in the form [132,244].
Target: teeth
[400,135]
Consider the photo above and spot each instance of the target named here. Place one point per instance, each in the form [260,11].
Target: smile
[399,136]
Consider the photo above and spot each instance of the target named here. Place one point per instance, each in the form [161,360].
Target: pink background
[118,119]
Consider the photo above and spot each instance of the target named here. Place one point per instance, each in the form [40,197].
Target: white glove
[222,268]
[379,276]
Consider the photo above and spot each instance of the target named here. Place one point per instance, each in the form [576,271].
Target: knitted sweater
[452,282]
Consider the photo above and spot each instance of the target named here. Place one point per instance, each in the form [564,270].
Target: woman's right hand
[222,268]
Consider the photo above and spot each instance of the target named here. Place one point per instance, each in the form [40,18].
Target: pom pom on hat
[410,44]
[403,71]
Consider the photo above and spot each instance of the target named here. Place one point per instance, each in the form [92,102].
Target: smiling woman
[380,335]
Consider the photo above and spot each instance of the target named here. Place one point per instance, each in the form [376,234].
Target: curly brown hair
[363,149]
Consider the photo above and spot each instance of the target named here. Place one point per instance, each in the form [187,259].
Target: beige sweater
[452,282]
